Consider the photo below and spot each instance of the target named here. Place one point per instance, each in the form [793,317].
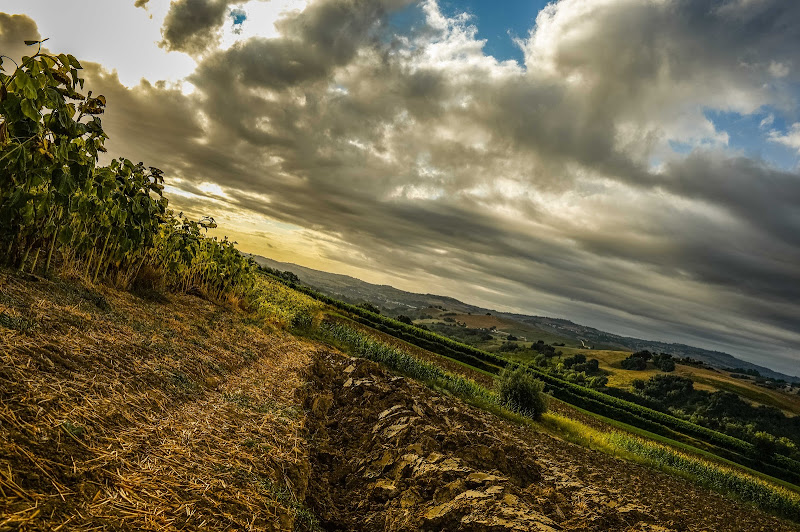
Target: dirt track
[118,413]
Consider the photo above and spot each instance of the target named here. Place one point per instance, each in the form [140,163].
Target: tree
[765,444]
[370,307]
[520,392]
[664,362]
[404,319]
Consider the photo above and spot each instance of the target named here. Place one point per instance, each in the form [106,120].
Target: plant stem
[100,260]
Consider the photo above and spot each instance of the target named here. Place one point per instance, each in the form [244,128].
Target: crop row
[396,359]
[766,496]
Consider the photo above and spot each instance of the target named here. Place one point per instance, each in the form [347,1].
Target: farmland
[164,405]
[154,377]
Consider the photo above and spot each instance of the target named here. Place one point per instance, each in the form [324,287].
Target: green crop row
[767,496]
[396,359]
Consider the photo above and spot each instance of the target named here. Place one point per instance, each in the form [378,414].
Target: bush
[765,444]
[369,307]
[520,392]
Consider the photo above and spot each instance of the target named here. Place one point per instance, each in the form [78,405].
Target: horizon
[522,312]
[631,166]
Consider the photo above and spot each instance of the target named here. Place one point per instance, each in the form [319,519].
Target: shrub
[508,347]
[765,444]
[520,392]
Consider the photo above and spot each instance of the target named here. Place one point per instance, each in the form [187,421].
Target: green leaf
[29,110]
[31,43]
[24,83]
[29,91]
[65,235]
[74,62]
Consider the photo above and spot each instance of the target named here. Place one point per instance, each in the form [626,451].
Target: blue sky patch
[238,16]
[749,134]
[498,22]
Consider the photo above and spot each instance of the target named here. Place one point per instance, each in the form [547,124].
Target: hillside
[397,301]
[163,413]
[355,290]
[153,378]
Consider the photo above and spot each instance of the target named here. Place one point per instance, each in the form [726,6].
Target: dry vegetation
[132,414]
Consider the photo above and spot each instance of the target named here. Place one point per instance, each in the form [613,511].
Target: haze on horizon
[631,165]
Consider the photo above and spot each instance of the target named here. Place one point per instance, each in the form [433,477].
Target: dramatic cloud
[592,182]
[191,25]
[14,31]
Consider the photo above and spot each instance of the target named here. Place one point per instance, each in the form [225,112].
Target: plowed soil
[390,454]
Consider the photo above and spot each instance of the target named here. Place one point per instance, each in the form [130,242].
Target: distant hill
[395,301]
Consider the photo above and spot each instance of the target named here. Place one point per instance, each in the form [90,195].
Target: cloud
[790,139]
[192,25]
[14,30]
[416,160]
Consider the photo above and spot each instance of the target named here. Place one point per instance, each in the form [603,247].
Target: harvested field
[125,414]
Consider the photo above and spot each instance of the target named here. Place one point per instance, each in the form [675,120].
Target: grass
[684,447]
[750,488]
[280,305]
[719,478]
[396,359]
[705,379]
[17,323]
[305,520]
[788,403]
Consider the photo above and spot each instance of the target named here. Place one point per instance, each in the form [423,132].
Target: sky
[632,165]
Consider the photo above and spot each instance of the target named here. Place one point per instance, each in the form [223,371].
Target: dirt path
[388,454]
[123,414]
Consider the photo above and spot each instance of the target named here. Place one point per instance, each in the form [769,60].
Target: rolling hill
[394,301]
